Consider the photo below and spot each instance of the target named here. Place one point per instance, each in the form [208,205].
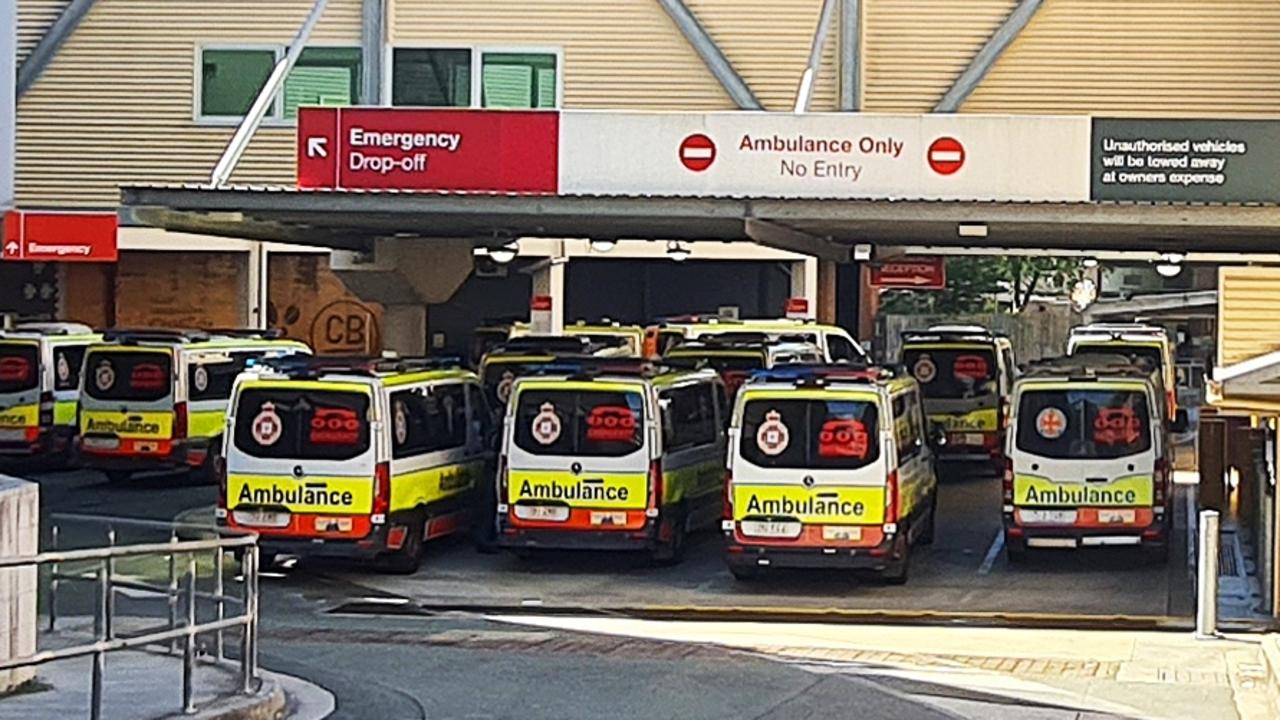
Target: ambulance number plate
[608,518]
[841,533]
[1116,516]
[261,518]
[544,513]
[771,528]
[13,434]
[1048,517]
[101,443]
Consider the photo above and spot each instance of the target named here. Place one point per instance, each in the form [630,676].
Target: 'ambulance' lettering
[305,495]
[587,490]
[807,506]
[1080,495]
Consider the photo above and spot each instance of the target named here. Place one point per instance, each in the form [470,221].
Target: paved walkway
[1114,673]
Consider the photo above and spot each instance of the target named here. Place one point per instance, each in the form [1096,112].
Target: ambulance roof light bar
[311,366]
[249,333]
[128,336]
[49,328]
[819,375]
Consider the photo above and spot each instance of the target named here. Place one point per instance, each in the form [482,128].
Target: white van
[355,458]
[1134,341]
[616,455]
[1088,459]
[40,388]
[828,468]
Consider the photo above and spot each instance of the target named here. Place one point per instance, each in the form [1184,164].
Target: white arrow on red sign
[316,147]
[11,248]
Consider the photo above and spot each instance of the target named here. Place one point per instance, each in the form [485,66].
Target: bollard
[1207,576]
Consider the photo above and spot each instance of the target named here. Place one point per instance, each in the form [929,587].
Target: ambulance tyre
[671,552]
[927,532]
[406,560]
[1015,550]
[898,570]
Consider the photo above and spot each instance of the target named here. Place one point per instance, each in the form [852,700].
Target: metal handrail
[188,631]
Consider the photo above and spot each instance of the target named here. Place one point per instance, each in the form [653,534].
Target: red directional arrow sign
[917,273]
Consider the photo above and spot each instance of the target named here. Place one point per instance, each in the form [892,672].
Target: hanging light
[677,251]
[505,254]
[1090,262]
[1170,264]
[603,245]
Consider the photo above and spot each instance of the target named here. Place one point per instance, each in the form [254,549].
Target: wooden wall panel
[310,302]
[168,289]
[87,294]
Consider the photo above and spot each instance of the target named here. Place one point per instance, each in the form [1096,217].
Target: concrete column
[256,282]
[826,292]
[20,517]
[804,281]
[548,279]
[404,329]
[8,99]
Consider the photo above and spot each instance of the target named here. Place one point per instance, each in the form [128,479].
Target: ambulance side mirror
[1181,423]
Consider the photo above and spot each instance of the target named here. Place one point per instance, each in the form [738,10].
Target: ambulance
[612,455]
[1088,460]
[156,400]
[362,459]
[736,358]
[40,388]
[966,374]
[505,362]
[1132,340]
[828,467]
[836,344]
[603,333]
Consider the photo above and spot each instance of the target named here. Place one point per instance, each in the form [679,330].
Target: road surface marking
[993,552]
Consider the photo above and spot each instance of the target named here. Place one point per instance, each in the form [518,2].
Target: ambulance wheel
[744,573]
[406,560]
[671,552]
[1015,551]
[927,532]
[899,569]
[118,477]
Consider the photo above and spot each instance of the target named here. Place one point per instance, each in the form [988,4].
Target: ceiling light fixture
[677,251]
[603,245]
[505,254]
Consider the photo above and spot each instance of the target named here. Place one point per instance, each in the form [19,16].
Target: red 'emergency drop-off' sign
[414,149]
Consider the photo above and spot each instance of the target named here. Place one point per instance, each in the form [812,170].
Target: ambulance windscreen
[130,375]
[591,423]
[1084,424]
[19,367]
[810,434]
[952,373]
[285,424]
[1124,351]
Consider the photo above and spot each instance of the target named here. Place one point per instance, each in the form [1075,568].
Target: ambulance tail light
[1161,482]
[381,492]
[655,488]
[46,409]
[726,512]
[180,421]
[1007,483]
[1004,414]
[891,504]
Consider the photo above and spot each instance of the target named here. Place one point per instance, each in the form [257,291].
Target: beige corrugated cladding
[913,50]
[768,43]
[1248,312]
[115,106]
[1140,57]
[630,54]
[35,16]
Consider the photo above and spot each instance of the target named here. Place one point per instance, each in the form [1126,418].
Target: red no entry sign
[697,152]
[946,155]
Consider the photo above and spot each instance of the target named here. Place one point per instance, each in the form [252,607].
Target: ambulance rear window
[1131,353]
[952,373]
[19,367]
[723,364]
[499,378]
[285,424]
[810,434]
[589,423]
[1092,424]
[140,376]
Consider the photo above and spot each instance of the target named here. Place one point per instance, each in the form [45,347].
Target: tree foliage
[983,284]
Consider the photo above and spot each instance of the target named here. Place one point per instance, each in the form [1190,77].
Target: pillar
[804,282]
[404,329]
[548,279]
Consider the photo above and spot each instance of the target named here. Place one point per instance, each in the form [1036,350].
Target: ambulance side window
[1010,368]
[432,419]
[70,357]
[840,349]
[211,380]
[906,423]
[689,418]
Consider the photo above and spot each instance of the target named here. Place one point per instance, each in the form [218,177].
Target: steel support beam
[804,93]
[850,55]
[785,238]
[249,125]
[373,38]
[711,55]
[33,66]
[987,56]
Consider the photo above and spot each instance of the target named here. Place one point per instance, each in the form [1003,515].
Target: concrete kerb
[270,702]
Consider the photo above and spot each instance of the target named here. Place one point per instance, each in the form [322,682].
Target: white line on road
[993,552]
